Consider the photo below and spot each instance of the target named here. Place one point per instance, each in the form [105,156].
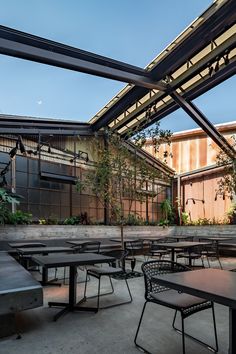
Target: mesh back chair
[186,304]
[134,247]
[111,271]
[211,252]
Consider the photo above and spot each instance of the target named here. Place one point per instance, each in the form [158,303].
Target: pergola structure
[201,57]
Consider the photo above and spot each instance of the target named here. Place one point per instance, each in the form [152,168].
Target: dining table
[30,251]
[215,285]
[26,244]
[72,261]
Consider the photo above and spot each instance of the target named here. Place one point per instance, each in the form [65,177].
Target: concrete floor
[112,331]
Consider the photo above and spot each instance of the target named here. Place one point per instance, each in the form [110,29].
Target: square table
[45,251]
[26,244]
[181,244]
[73,261]
[211,284]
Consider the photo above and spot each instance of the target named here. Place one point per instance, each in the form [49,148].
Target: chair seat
[96,271]
[180,301]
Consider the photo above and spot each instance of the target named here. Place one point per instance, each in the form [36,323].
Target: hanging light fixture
[217,66]
[13,152]
[21,145]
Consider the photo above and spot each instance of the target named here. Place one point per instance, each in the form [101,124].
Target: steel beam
[223,18]
[25,46]
[32,131]
[203,86]
[204,123]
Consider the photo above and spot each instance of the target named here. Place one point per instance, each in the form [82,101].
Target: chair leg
[219,262]
[137,332]
[215,350]
[214,323]
[107,293]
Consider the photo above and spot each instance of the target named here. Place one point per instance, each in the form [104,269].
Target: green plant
[185,218]
[167,213]
[133,219]
[77,220]
[231,213]
[227,184]
[20,218]
[6,198]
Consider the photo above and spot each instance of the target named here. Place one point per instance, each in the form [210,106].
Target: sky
[132,31]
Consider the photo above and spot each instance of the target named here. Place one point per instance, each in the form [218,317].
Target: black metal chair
[155,250]
[192,254]
[111,271]
[186,304]
[211,252]
[88,247]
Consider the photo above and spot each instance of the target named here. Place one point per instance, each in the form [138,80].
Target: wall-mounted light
[194,200]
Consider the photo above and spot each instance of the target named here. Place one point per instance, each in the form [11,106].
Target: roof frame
[214,25]
[22,45]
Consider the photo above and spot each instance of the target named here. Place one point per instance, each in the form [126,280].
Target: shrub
[20,218]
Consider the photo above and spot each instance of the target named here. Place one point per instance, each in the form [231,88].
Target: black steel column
[72,286]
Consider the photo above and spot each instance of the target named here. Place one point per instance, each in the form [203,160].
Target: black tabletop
[26,244]
[126,239]
[63,260]
[76,243]
[38,250]
[182,244]
[218,238]
[212,284]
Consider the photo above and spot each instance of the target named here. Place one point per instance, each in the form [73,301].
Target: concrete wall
[35,232]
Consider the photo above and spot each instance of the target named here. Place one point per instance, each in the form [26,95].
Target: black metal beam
[204,123]
[224,17]
[26,131]
[25,46]
[199,89]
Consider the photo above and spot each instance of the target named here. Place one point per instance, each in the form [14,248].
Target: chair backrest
[119,254]
[156,267]
[134,245]
[152,244]
[90,246]
[211,247]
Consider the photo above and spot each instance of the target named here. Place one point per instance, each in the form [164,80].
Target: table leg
[173,255]
[232,331]
[72,286]
[45,280]
[71,305]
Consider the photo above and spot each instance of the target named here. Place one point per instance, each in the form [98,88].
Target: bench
[18,291]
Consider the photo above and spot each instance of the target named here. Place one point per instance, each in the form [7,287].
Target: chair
[88,247]
[155,250]
[186,304]
[110,271]
[85,247]
[192,255]
[134,247]
[211,251]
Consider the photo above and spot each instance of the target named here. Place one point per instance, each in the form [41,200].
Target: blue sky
[132,31]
